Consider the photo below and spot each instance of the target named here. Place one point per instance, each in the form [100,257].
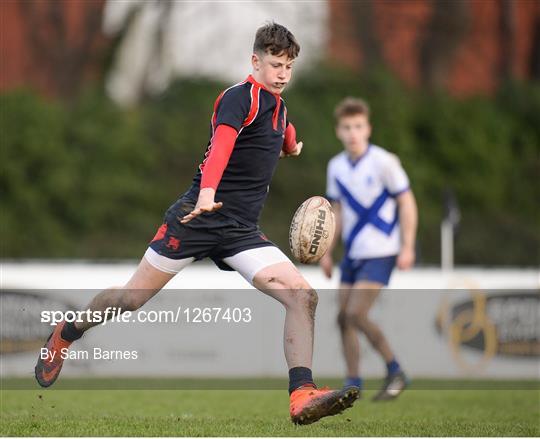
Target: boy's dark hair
[351,107]
[275,39]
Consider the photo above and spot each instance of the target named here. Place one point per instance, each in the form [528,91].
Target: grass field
[465,412]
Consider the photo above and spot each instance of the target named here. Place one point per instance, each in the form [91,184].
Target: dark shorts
[373,269]
[210,235]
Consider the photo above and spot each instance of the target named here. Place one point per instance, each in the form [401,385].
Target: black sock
[70,332]
[298,377]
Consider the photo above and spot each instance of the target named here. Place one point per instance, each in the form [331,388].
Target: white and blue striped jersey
[366,189]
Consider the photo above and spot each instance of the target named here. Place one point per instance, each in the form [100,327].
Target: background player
[217,218]
[373,202]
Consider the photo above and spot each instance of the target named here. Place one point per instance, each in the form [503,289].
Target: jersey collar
[357,160]
[252,80]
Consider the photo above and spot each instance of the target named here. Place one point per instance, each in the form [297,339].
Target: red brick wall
[401,25]
[45,43]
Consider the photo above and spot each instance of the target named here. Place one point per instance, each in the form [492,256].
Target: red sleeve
[289,144]
[220,152]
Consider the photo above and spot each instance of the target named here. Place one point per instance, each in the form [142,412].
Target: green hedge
[91,180]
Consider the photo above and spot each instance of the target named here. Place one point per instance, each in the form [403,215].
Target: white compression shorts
[248,262]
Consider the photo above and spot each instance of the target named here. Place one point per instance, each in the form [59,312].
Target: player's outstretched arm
[205,203]
[408,218]
[220,151]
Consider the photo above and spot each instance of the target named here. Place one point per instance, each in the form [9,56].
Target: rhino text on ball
[319,230]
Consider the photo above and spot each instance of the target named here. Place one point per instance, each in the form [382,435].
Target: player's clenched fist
[290,148]
[405,259]
[294,152]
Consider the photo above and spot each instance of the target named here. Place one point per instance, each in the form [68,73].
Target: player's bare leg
[308,404]
[362,298]
[143,285]
[284,283]
[349,333]
[349,338]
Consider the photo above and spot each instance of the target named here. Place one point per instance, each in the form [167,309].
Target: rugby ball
[312,230]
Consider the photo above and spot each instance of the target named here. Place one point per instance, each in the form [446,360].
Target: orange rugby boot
[48,369]
[309,404]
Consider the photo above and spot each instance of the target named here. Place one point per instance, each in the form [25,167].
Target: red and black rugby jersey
[260,118]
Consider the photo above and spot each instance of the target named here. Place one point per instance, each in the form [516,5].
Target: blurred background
[105,109]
